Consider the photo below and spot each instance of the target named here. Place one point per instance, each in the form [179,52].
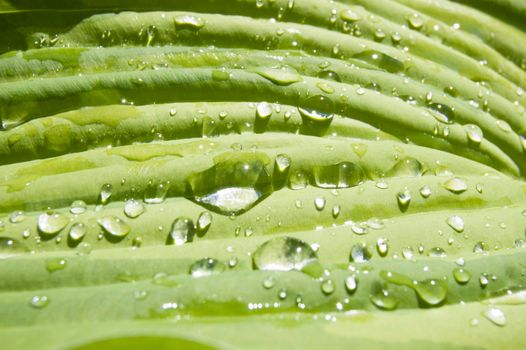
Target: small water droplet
[456,223]
[425,191]
[56,264]
[351,284]
[269,282]
[279,76]
[17,217]
[282,294]
[407,253]
[114,227]
[384,300]
[350,16]
[284,254]
[483,280]
[206,267]
[462,276]
[504,126]
[183,230]
[204,221]
[39,301]
[360,253]
[105,193]
[406,167]
[78,207]
[155,192]
[404,199]
[474,133]
[456,185]
[327,287]
[319,203]
[50,224]
[133,208]
[341,175]
[298,180]
[263,110]
[382,246]
[415,21]
[480,247]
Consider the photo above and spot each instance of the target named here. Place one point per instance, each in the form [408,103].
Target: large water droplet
[341,175]
[456,223]
[133,208]
[204,221]
[430,291]
[298,180]
[206,267]
[284,254]
[189,22]
[263,110]
[17,217]
[350,16]
[156,192]
[456,185]
[404,199]
[236,183]
[77,232]
[495,315]
[50,224]
[280,75]
[442,113]
[114,227]
[406,167]
[183,230]
[360,253]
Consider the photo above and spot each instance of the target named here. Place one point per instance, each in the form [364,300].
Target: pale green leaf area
[262,174]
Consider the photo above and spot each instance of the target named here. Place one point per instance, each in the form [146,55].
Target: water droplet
[189,22]
[382,246]
[173,112]
[382,185]
[105,193]
[204,221]
[474,133]
[263,110]
[39,301]
[504,126]
[114,227]
[329,75]
[319,203]
[456,223]
[269,282]
[206,267]
[359,229]
[282,294]
[404,199]
[336,211]
[236,182]
[77,232]
[442,113]
[298,180]
[156,192]
[17,217]
[78,207]
[350,16]
[140,294]
[10,246]
[56,264]
[351,284]
[282,163]
[483,280]
[341,175]
[425,191]
[360,253]
[327,287]
[384,300]
[495,315]
[50,224]
[480,247]
[461,275]
[133,208]
[183,230]
[437,252]
[431,291]
[406,167]
[407,253]
[284,254]
[279,76]
[456,185]
[383,61]
[415,21]
[312,117]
